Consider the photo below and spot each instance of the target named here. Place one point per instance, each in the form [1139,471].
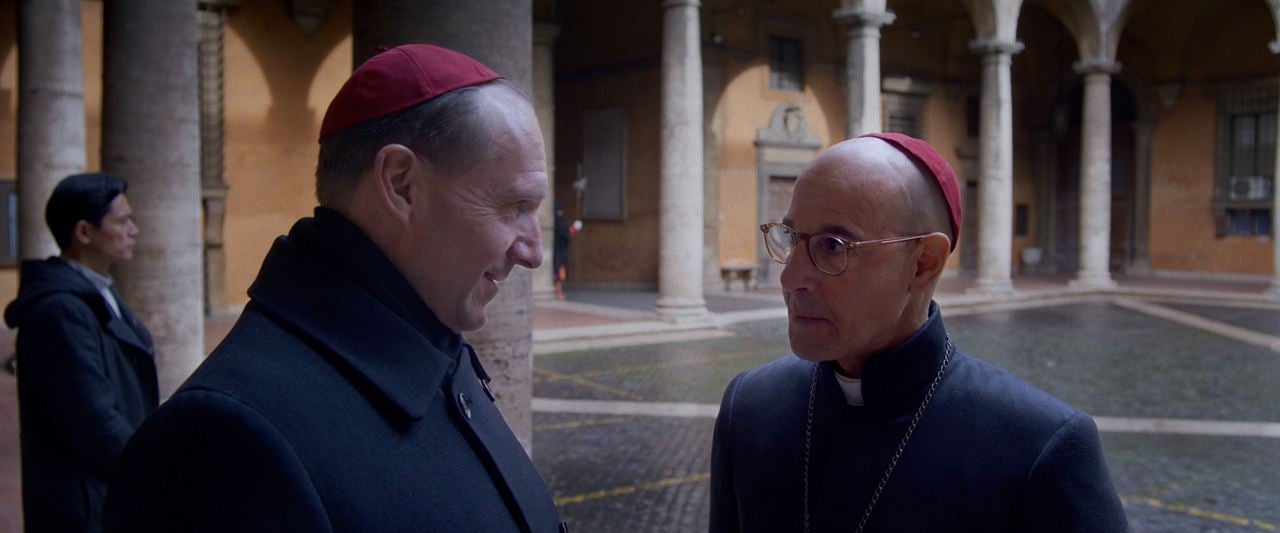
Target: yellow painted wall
[278,84]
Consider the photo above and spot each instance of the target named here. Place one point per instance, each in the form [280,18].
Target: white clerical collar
[852,388]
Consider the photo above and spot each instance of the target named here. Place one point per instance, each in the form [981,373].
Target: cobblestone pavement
[1114,359]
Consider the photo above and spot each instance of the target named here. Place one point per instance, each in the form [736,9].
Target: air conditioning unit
[1249,188]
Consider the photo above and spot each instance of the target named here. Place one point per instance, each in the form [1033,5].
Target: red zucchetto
[399,78]
[923,154]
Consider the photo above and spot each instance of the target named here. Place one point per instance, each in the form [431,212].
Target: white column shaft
[680,221]
[863,74]
[51,129]
[151,137]
[1095,182]
[1275,220]
[544,284]
[995,185]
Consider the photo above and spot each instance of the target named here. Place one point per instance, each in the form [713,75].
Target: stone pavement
[1179,375]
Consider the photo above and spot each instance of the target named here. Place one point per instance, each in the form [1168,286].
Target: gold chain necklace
[893,462]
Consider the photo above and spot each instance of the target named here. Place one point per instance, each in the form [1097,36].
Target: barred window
[786,64]
[1246,159]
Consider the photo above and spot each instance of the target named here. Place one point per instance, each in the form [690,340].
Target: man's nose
[133,229]
[799,272]
[527,250]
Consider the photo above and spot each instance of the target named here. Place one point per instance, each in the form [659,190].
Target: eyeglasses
[829,253]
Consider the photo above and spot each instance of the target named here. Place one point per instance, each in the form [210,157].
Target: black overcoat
[86,380]
[991,453]
[337,402]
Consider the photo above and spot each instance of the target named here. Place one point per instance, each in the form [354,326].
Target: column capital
[545,33]
[668,4]
[1096,66]
[995,46]
[861,18]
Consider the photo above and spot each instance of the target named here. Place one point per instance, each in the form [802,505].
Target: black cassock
[991,452]
[338,402]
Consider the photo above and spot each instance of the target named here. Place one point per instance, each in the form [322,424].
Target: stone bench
[738,270]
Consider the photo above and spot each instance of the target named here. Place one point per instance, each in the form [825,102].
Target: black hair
[447,131]
[79,197]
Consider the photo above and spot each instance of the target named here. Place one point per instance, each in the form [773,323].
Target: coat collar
[331,282]
[893,381]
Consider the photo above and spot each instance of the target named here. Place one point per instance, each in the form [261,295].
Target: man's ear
[931,259]
[393,179]
[80,232]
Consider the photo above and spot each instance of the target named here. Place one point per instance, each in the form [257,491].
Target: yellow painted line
[587,383]
[655,366]
[631,489]
[584,423]
[1201,513]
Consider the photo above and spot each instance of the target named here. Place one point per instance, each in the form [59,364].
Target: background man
[879,421]
[86,366]
[344,399]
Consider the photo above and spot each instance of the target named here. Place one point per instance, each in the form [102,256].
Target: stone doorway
[782,151]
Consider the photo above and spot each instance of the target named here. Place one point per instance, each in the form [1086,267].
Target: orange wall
[1182,177]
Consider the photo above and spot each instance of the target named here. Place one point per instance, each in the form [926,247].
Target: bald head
[909,196]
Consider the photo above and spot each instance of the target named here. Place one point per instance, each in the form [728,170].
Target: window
[603,174]
[1246,160]
[1021,220]
[8,223]
[904,113]
[786,66]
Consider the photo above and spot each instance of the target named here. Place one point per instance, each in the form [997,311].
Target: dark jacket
[991,453]
[338,402]
[86,380]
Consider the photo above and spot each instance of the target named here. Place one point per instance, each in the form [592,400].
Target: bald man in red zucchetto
[879,422]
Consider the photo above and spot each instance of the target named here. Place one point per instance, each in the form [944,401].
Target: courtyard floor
[1183,379]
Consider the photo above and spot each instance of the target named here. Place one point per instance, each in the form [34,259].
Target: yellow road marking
[1201,513]
[601,494]
[587,383]
[584,423]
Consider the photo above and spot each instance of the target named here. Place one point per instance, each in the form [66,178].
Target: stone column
[680,220]
[862,67]
[1275,200]
[544,104]
[1095,176]
[498,33]
[151,137]
[1140,262]
[213,196]
[995,183]
[50,113]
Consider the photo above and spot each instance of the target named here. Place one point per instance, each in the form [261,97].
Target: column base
[544,296]
[1087,282]
[992,287]
[1274,292]
[682,310]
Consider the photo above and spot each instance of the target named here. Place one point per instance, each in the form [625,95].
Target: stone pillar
[680,220]
[995,183]
[862,67]
[213,196]
[544,104]
[50,113]
[1140,261]
[1095,176]
[1275,197]
[151,137]
[498,33]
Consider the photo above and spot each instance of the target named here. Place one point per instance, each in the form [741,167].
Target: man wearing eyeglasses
[879,422]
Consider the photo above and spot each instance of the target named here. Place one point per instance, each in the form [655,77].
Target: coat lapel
[501,451]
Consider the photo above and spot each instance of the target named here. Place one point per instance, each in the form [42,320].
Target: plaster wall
[278,83]
[1182,177]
